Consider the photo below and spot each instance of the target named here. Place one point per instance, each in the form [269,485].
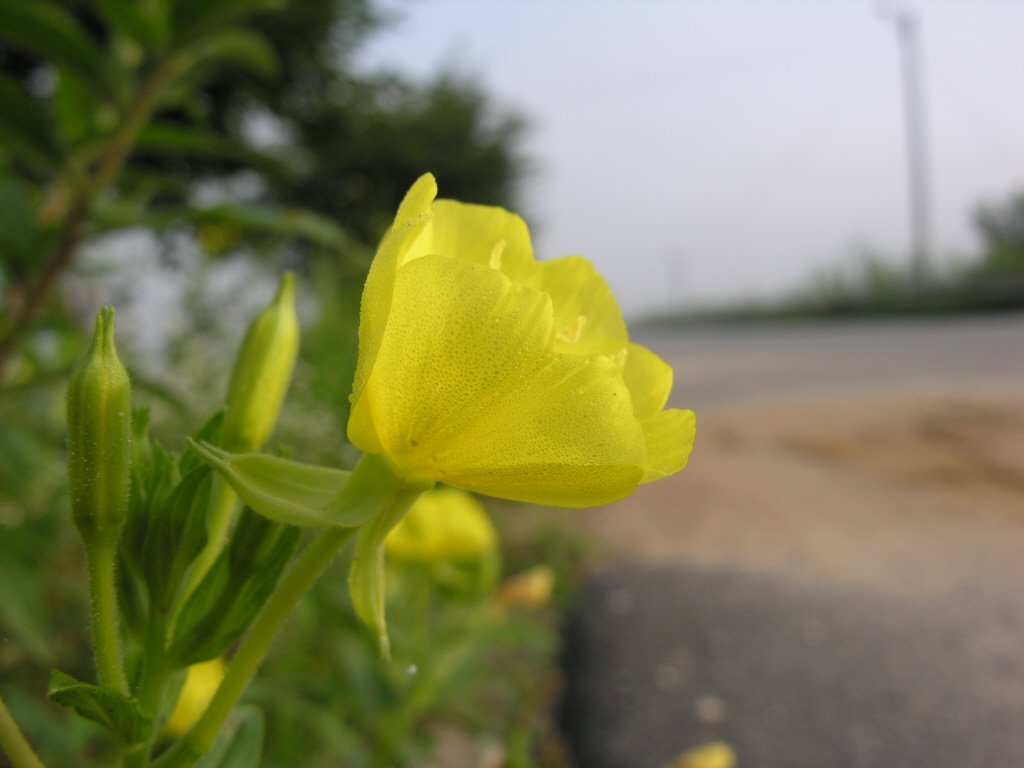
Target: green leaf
[225,603]
[20,238]
[287,222]
[25,125]
[283,490]
[155,475]
[192,18]
[198,142]
[118,713]
[176,535]
[237,45]
[47,29]
[143,23]
[76,107]
[212,433]
[240,744]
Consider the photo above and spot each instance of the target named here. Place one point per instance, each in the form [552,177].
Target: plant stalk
[14,743]
[106,633]
[201,738]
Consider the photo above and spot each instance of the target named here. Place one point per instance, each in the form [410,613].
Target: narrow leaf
[224,605]
[118,713]
[144,24]
[24,124]
[177,533]
[238,45]
[196,17]
[287,222]
[47,29]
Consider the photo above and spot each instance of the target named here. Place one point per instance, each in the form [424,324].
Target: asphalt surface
[855,607]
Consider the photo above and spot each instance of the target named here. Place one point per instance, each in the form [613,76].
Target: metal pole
[917,151]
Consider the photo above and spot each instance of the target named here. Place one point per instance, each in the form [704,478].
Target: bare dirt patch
[898,489]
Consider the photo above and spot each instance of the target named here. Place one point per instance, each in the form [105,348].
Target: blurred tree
[1002,230]
[111,112]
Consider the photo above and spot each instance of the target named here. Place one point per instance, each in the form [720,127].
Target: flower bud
[99,437]
[262,372]
[201,684]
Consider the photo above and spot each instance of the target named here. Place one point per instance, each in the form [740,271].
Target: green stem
[14,742]
[106,633]
[223,505]
[375,487]
[152,683]
[201,738]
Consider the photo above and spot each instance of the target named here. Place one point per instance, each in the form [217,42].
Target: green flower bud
[262,372]
[99,437]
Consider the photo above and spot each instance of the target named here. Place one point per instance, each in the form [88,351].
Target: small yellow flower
[531,588]
[482,368]
[201,684]
[443,524]
[714,754]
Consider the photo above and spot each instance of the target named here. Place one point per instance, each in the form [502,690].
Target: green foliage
[233,591]
[282,490]
[241,743]
[1002,230]
[117,713]
[175,535]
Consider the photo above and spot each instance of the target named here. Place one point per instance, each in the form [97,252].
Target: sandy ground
[900,490]
[862,554]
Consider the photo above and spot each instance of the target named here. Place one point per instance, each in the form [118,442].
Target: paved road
[850,597]
[721,364]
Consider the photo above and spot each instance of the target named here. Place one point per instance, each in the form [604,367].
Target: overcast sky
[706,151]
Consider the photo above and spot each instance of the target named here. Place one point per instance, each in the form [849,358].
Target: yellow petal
[578,291]
[467,390]
[413,215]
[485,235]
[669,438]
[649,379]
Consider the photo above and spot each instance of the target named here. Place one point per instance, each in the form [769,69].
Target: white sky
[701,151]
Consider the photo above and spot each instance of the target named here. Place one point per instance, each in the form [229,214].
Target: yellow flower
[484,369]
[714,754]
[201,684]
[531,588]
[443,524]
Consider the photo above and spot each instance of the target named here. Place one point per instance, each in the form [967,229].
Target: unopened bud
[99,437]
[201,684]
[262,372]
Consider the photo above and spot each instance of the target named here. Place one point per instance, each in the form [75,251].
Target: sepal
[394,495]
[280,489]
